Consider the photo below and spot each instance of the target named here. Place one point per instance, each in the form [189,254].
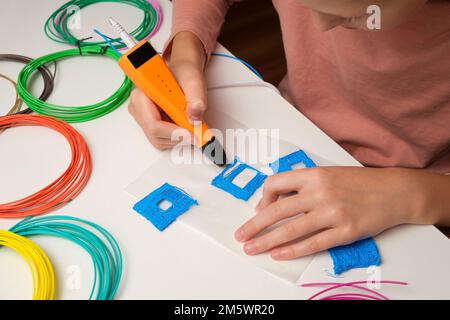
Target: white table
[176,263]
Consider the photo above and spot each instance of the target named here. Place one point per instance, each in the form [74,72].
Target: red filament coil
[67,186]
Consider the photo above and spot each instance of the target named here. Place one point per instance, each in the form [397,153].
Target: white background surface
[177,263]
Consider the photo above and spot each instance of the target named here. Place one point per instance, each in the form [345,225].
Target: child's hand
[341,205]
[187,62]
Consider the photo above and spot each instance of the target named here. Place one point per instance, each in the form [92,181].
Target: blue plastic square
[149,206]
[224,181]
[361,254]
[285,163]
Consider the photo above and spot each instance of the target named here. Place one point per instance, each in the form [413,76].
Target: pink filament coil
[159,14]
[369,294]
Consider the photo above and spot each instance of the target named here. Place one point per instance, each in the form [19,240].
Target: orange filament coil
[67,186]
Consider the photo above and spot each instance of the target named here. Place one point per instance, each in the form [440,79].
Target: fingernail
[239,235]
[250,248]
[195,111]
[195,121]
[278,254]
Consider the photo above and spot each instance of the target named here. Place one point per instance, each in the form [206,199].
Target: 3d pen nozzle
[215,152]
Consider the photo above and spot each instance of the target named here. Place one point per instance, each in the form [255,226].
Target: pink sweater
[383,96]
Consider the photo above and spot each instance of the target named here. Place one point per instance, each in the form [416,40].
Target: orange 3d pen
[148,71]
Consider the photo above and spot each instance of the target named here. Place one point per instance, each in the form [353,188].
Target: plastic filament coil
[71,113]
[361,290]
[45,73]
[57,25]
[95,240]
[37,260]
[67,186]
[17,103]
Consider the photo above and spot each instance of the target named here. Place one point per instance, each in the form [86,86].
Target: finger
[142,108]
[161,146]
[279,184]
[183,139]
[297,228]
[164,142]
[191,79]
[276,211]
[319,242]
[166,130]
[148,116]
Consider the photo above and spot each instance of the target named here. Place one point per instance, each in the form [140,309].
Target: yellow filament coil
[37,260]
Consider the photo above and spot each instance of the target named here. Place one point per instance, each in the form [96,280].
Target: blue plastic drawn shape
[361,254]
[285,163]
[224,181]
[180,202]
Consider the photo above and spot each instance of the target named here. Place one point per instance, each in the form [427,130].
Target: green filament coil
[71,113]
[57,25]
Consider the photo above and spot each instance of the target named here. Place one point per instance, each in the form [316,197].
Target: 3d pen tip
[112,21]
[215,152]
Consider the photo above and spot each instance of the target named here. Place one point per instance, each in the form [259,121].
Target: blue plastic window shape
[285,163]
[224,180]
[151,208]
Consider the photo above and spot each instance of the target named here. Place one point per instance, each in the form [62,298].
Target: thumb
[192,82]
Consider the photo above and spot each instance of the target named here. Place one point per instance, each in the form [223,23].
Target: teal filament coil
[95,240]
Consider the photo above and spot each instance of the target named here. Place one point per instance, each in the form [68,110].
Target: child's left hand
[340,205]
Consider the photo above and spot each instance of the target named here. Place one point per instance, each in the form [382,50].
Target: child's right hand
[187,62]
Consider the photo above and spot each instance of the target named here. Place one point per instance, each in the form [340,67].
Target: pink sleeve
[204,18]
